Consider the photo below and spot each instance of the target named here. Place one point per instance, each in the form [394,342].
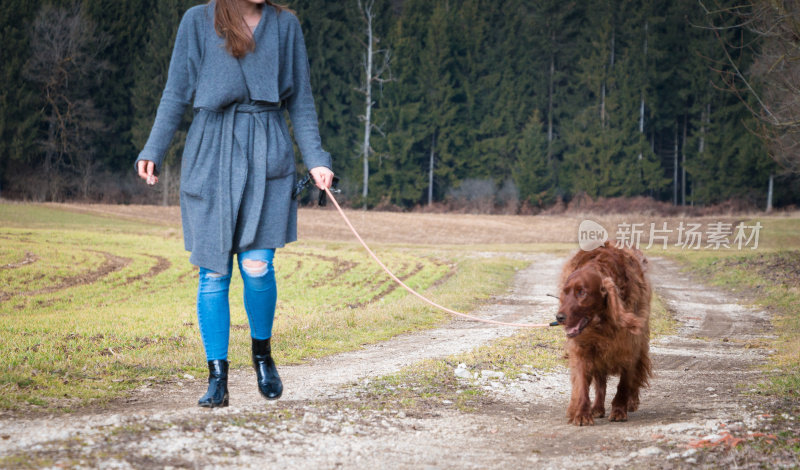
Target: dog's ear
[608,286]
[617,315]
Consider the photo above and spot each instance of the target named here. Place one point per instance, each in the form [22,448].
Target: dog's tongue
[574,330]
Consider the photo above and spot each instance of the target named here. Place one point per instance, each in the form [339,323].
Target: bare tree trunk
[49,159]
[372,73]
[769,193]
[641,117]
[653,141]
[705,117]
[603,106]
[603,90]
[683,163]
[641,100]
[368,101]
[646,29]
[430,169]
[675,169]
[613,41]
[550,104]
[86,176]
[641,131]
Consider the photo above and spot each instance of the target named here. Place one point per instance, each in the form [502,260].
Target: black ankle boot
[269,383]
[217,394]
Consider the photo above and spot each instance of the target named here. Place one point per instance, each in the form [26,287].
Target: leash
[422,297]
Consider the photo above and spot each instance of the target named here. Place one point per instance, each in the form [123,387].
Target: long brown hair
[229,24]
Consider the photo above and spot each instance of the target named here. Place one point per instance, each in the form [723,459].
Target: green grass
[107,305]
[662,322]
[778,233]
[770,277]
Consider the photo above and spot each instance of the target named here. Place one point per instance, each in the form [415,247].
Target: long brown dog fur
[605,309]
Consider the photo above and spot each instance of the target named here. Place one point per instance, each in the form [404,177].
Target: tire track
[162,264]
[28,259]
[111,264]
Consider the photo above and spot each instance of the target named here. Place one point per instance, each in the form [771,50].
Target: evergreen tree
[125,23]
[399,176]
[608,150]
[594,143]
[442,107]
[559,24]
[150,77]
[332,33]
[19,107]
[423,134]
[675,95]
[734,163]
[502,102]
[607,97]
[639,166]
[532,172]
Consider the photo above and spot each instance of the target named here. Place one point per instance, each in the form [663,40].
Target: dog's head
[587,297]
[583,297]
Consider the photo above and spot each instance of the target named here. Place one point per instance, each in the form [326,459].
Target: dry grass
[459,229]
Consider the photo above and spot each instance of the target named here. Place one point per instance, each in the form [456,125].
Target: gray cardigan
[238,167]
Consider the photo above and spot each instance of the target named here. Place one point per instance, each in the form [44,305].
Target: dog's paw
[598,412]
[633,404]
[618,414]
[582,420]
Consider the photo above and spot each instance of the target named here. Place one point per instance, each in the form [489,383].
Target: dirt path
[699,390]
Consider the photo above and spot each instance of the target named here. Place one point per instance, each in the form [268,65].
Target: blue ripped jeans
[213,310]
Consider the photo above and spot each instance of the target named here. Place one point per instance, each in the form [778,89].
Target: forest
[497,106]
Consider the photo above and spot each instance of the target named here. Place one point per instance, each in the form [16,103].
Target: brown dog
[605,310]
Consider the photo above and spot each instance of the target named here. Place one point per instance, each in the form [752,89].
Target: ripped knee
[213,276]
[255,268]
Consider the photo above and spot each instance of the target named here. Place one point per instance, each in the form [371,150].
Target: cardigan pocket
[280,156]
[198,161]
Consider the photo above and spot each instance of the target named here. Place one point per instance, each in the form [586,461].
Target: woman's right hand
[146,169]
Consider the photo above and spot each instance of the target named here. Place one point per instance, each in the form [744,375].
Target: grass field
[97,300]
[93,306]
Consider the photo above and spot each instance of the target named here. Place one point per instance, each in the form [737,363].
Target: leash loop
[420,296]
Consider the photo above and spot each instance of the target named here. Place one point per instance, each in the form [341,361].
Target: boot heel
[269,382]
[217,394]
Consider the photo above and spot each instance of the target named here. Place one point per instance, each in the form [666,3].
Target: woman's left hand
[323,177]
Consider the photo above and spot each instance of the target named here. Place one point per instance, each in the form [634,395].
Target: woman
[240,63]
